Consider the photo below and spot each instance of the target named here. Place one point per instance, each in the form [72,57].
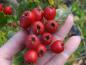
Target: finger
[12,46]
[5,62]
[70,47]
[45,58]
[72,44]
[62,33]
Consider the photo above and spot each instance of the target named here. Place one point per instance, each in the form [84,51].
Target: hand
[10,48]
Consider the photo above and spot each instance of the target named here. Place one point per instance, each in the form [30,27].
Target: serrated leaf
[18,59]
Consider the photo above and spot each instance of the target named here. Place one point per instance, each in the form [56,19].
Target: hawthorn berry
[31,56]
[24,23]
[1,7]
[41,50]
[51,26]
[38,14]
[30,16]
[8,10]
[57,46]
[32,41]
[49,13]
[47,38]
[38,27]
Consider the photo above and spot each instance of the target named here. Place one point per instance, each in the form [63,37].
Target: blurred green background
[9,24]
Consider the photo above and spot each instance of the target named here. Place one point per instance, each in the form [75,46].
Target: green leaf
[3,19]
[2,38]
[18,59]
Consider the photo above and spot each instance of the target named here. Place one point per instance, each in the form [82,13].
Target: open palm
[12,46]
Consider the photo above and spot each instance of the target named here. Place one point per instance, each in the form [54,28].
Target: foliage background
[65,7]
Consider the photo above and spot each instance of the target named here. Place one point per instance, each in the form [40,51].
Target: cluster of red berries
[7,10]
[41,25]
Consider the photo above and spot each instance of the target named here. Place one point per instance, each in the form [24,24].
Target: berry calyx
[32,41]
[47,38]
[41,50]
[31,56]
[38,27]
[51,26]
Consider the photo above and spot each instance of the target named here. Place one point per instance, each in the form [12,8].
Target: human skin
[14,45]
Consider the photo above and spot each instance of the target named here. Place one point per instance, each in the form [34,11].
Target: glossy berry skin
[47,38]
[31,56]
[38,14]
[41,50]
[1,7]
[32,41]
[57,46]
[38,27]
[49,13]
[24,23]
[8,10]
[30,16]
[51,26]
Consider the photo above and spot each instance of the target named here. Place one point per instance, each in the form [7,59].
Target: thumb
[12,46]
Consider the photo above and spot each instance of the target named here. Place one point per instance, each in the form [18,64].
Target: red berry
[41,50]
[38,14]
[51,26]
[38,27]
[57,46]
[30,16]
[47,38]
[1,7]
[24,22]
[31,56]
[49,13]
[8,10]
[32,41]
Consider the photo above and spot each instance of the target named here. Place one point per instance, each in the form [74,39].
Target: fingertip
[13,45]
[72,44]
[70,18]
[65,29]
